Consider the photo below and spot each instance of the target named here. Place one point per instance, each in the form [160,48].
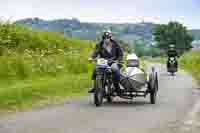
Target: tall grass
[191,62]
[13,36]
[38,65]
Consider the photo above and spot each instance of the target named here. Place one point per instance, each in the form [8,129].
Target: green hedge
[191,62]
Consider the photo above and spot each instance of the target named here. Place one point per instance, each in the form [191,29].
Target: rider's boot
[117,88]
[92,89]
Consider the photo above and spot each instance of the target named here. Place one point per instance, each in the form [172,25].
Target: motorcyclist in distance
[172,53]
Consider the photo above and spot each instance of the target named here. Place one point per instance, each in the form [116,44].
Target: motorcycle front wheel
[98,94]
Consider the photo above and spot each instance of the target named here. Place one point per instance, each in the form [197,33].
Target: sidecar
[135,82]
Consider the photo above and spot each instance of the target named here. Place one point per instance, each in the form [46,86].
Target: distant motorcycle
[172,65]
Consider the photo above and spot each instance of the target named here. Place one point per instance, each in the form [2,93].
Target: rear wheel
[172,73]
[98,94]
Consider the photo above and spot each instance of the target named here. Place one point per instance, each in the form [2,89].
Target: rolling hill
[126,32]
[75,28]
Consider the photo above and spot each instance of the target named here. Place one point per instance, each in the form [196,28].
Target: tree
[172,33]
[123,45]
[136,47]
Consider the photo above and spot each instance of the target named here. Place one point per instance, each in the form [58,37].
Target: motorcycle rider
[108,49]
[172,53]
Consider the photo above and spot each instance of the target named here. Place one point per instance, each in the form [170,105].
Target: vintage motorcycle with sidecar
[132,80]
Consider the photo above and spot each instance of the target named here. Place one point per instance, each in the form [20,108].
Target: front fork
[106,80]
[108,85]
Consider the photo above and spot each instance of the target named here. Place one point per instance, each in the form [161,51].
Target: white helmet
[132,57]
[132,60]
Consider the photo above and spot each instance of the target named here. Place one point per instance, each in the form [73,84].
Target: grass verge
[22,94]
[191,63]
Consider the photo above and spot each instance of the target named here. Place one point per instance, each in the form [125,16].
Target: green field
[37,66]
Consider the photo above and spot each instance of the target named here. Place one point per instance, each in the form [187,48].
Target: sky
[115,11]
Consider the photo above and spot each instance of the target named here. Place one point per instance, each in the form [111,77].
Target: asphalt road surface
[177,111]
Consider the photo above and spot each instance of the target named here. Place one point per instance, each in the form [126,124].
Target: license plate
[102,62]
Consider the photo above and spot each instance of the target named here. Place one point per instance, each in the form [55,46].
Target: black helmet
[172,46]
[107,34]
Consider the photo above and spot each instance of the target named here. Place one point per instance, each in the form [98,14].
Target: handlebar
[109,60]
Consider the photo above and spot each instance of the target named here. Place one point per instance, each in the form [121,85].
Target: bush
[191,62]
[13,36]
[30,53]
[141,50]
[37,65]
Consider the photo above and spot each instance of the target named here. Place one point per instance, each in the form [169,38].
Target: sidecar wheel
[153,97]
[153,87]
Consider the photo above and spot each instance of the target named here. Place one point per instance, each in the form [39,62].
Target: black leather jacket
[116,52]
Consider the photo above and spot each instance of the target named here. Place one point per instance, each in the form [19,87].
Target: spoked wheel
[153,87]
[153,97]
[108,91]
[98,94]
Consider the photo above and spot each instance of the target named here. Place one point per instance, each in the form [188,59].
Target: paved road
[176,111]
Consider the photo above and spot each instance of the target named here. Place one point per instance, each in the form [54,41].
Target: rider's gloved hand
[90,59]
